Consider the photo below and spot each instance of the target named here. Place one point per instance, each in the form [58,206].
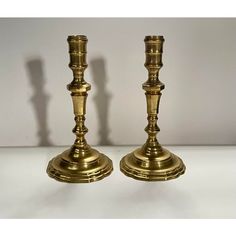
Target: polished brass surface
[152,162]
[80,163]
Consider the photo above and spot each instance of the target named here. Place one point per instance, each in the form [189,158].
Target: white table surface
[206,190]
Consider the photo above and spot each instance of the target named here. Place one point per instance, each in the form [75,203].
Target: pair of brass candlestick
[83,164]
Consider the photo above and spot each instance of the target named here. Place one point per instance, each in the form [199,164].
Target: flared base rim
[140,167]
[93,168]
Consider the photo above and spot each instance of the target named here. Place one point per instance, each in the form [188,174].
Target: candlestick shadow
[102,99]
[39,99]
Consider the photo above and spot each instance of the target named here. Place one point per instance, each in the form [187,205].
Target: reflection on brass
[152,162]
[80,163]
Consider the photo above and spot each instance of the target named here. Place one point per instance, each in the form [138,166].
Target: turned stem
[78,87]
[153,87]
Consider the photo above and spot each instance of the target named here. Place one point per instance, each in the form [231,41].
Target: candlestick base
[79,166]
[164,165]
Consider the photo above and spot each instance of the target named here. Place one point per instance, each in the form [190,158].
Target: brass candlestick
[152,162]
[80,163]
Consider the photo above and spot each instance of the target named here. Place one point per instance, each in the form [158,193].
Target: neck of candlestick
[153,77]
[78,76]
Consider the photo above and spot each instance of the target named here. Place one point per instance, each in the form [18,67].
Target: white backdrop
[198,105]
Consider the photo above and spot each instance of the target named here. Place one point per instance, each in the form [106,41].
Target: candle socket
[80,163]
[152,162]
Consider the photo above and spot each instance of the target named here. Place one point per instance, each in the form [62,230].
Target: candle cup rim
[77,38]
[154,38]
